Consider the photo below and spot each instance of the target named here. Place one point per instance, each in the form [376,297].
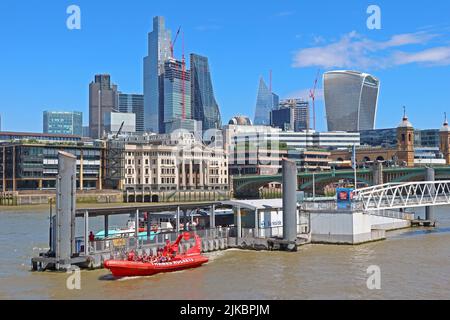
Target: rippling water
[415,264]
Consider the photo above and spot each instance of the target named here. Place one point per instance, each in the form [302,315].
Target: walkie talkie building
[351,100]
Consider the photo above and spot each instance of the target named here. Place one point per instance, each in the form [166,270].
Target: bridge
[248,186]
[407,195]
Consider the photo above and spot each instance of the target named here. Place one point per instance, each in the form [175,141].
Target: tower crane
[312,95]
[172,43]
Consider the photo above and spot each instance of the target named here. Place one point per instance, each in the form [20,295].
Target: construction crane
[172,43]
[312,95]
[183,82]
[119,132]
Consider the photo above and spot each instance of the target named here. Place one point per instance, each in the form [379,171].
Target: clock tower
[405,144]
[445,141]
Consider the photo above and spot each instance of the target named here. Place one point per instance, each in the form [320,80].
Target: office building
[33,165]
[70,123]
[204,105]
[379,137]
[159,50]
[351,100]
[163,162]
[133,103]
[428,138]
[260,149]
[103,98]
[301,112]
[118,121]
[283,118]
[38,137]
[86,132]
[176,89]
[311,160]
[265,102]
[238,133]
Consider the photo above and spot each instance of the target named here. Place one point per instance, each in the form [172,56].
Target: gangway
[401,196]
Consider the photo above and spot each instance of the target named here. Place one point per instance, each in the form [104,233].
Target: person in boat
[91,237]
[131,256]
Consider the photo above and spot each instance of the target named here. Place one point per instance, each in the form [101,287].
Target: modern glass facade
[203,102]
[301,113]
[159,51]
[35,166]
[351,100]
[282,118]
[265,102]
[133,103]
[55,122]
[174,88]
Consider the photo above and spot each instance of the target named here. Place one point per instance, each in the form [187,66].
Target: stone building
[165,162]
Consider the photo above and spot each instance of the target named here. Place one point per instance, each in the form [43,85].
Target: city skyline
[410,50]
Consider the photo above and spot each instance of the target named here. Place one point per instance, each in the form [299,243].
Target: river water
[414,264]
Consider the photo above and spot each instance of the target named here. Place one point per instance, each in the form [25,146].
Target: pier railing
[124,244]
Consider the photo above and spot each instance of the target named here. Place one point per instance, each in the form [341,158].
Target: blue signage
[344,198]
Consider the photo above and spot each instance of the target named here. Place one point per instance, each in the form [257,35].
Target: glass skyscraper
[351,100]
[172,88]
[133,103]
[265,102]
[55,122]
[301,113]
[204,105]
[159,50]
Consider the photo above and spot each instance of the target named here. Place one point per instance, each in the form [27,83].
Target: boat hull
[139,269]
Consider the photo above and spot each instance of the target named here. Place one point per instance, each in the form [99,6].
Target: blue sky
[45,66]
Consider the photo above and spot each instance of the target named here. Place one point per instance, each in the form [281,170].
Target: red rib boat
[169,261]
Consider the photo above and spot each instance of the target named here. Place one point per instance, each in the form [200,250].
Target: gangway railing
[401,196]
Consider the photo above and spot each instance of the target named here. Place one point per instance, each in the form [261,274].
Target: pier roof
[119,210]
[256,204]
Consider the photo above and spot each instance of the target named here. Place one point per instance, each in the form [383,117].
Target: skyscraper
[265,102]
[351,100]
[133,103]
[176,89]
[55,122]
[204,105]
[103,98]
[301,113]
[159,50]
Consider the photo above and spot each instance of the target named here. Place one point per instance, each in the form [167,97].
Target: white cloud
[433,56]
[356,51]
